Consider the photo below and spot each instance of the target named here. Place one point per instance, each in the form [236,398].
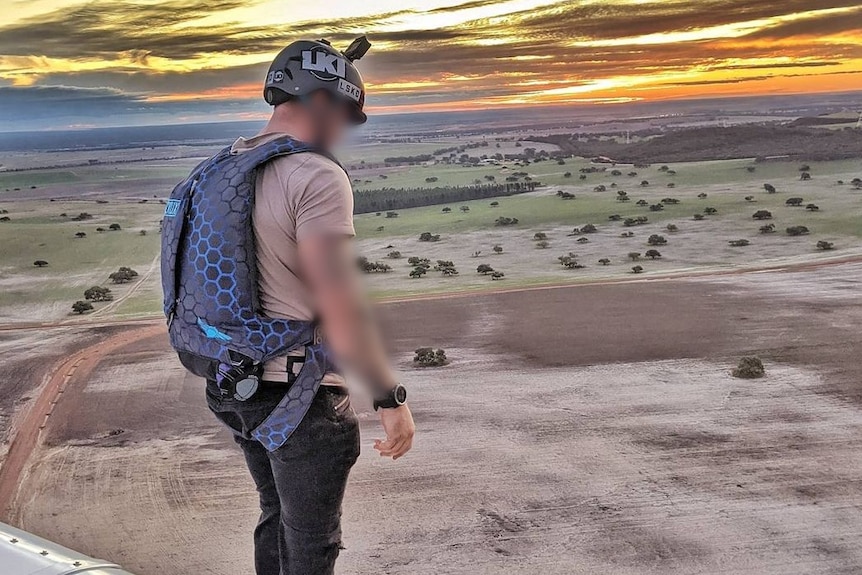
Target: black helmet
[307,66]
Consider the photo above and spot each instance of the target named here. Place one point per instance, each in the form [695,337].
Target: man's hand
[399,427]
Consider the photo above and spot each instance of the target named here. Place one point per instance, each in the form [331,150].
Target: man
[286,403]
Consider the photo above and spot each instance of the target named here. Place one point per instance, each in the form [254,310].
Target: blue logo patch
[172,208]
[212,332]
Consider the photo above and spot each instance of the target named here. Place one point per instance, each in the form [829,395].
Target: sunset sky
[75,62]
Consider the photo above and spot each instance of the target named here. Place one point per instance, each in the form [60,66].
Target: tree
[429,237]
[81,307]
[589,229]
[605,261]
[567,175]
[497,276]
[657,240]
[98,293]
[81,235]
[394,255]
[812,208]
[767,229]
[805,176]
[391,215]
[498,249]
[825,246]
[770,189]
[702,195]
[797,231]
[762,215]
[642,203]
[699,217]
[539,236]
[739,243]
[672,228]
[542,245]
[634,256]
[644,184]
[114,227]
[637,269]
[615,218]
[494,204]
[583,240]
[40,263]
[653,254]
[418,272]
[710,211]
[123,275]
[794,202]
[447,209]
[750,199]
[464,209]
[484,269]
[143,232]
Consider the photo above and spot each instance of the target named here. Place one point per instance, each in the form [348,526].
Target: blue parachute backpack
[209,279]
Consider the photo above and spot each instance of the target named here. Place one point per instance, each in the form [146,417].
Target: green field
[37,230]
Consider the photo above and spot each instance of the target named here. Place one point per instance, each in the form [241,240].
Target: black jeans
[301,485]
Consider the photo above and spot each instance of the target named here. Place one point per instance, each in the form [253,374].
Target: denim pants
[301,485]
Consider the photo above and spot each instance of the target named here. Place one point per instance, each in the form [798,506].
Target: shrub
[542,245]
[605,261]
[498,249]
[750,367]
[710,211]
[797,231]
[429,237]
[115,227]
[395,255]
[589,229]
[762,215]
[702,195]
[40,263]
[615,218]
[446,210]
[634,256]
[699,217]
[794,202]
[418,272]
[81,307]
[672,228]
[391,215]
[653,254]
[770,189]
[539,236]
[657,240]
[429,357]
[812,208]
[637,270]
[504,221]
[824,245]
[497,275]
[484,269]
[739,243]
[767,229]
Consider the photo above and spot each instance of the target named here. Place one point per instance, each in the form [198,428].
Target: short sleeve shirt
[296,197]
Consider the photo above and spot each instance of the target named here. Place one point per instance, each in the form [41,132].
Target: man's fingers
[393,447]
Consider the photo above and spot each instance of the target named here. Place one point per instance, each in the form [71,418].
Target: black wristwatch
[396,397]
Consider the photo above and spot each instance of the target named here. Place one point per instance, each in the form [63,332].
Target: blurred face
[332,117]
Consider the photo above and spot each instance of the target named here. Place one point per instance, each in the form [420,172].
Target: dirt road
[585,430]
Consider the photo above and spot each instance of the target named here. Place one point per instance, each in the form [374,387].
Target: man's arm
[329,269]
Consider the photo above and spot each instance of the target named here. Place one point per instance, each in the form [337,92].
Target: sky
[78,63]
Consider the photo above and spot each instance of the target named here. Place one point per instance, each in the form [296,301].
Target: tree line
[402,198]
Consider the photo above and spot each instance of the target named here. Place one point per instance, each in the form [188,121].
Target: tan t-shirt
[296,197]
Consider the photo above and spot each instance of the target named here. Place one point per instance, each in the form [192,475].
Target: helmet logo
[275,77]
[324,65]
[352,91]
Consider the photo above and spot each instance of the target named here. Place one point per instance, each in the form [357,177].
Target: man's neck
[286,121]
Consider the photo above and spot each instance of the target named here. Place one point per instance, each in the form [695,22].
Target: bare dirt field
[588,429]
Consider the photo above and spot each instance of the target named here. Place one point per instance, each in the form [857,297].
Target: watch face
[400,394]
